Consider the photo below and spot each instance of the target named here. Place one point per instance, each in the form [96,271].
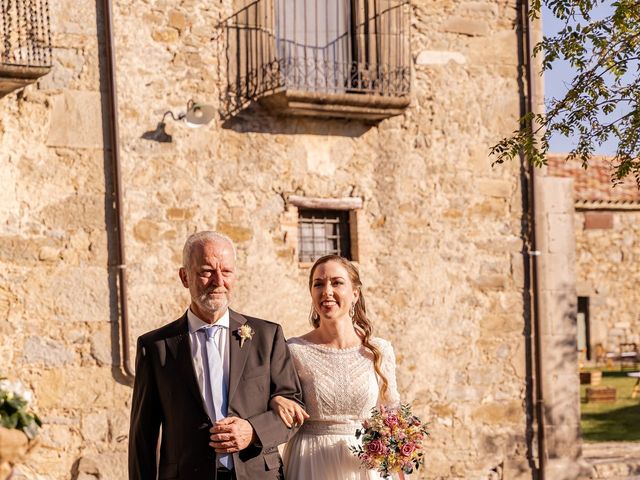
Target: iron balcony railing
[320,46]
[25,35]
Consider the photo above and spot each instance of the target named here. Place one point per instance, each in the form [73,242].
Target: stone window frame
[352,205]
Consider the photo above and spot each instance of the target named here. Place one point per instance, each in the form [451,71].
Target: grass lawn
[611,422]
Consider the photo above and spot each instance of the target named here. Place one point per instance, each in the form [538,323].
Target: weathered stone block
[76,120]
[237,233]
[59,437]
[177,20]
[561,235]
[498,413]
[75,212]
[88,466]
[24,251]
[73,17]
[7,300]
[165,35]
[69,387]
[95,426]
[491,207]
[65,70]
[179,213]
[55,298]
[494,281]
[554,194]
[147,231]
[495,187]
[46,351]
[49,254]
[439,57]
[105,466]
[559,274]
[102,346]
[466,26]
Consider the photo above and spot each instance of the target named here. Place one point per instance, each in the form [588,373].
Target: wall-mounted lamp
[197,115]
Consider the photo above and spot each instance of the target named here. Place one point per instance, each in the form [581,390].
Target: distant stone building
[607,220]
[368,136]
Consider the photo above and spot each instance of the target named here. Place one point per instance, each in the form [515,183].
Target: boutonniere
[245,332]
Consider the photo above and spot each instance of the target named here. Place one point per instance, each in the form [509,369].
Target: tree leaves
[602,101]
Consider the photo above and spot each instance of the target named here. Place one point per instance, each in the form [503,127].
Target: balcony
[25,43]
[321,58]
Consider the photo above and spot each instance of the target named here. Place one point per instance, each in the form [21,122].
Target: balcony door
[314,43]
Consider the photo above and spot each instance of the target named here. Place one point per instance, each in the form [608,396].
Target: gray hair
[200,238]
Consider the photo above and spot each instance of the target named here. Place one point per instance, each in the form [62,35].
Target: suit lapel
[237,356]
[180,348]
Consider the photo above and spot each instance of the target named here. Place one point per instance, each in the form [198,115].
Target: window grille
[25,36]
[318,46]
[323,232]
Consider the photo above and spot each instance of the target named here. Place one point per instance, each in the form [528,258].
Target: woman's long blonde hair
[361,323]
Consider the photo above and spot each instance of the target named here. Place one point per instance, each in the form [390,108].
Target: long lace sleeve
[388,367]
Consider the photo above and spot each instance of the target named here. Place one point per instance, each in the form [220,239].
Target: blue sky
[557,79]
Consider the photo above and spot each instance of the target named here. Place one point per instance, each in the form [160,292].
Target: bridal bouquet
[15,411]
[391,441]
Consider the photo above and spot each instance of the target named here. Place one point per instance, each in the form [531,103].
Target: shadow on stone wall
[110,213]
[526,234]
[257,119]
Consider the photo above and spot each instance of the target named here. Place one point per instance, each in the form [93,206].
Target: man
[207,379]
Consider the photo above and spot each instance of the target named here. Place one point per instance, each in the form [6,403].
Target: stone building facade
[607,229]
[438,231]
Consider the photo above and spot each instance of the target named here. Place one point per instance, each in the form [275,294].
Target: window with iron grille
[323,232]
[339,48]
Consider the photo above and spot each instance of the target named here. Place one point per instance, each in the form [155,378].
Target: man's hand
[231,434]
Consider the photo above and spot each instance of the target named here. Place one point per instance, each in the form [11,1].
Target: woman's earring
[352,310]
[315,315]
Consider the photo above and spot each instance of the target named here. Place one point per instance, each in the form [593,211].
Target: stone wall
[608,250]
[438,235]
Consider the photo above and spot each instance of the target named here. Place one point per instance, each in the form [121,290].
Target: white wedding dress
[340,389]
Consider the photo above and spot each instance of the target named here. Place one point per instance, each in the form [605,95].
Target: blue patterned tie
[217,384]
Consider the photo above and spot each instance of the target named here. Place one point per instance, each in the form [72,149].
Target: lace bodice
[340,385]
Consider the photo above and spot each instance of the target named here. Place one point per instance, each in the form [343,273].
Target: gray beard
[210,306]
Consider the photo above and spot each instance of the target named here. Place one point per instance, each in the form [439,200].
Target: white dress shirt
[198,340]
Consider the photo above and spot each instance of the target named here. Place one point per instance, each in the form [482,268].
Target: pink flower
[391,420]
[376,448]
[407,449]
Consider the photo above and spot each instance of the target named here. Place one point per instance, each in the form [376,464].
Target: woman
[344,373]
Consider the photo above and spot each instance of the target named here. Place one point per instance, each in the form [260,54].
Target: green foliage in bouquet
[14,409]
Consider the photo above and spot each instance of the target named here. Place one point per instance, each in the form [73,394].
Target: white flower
[28,396]
[5,385]
[246,333]
[16,389]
